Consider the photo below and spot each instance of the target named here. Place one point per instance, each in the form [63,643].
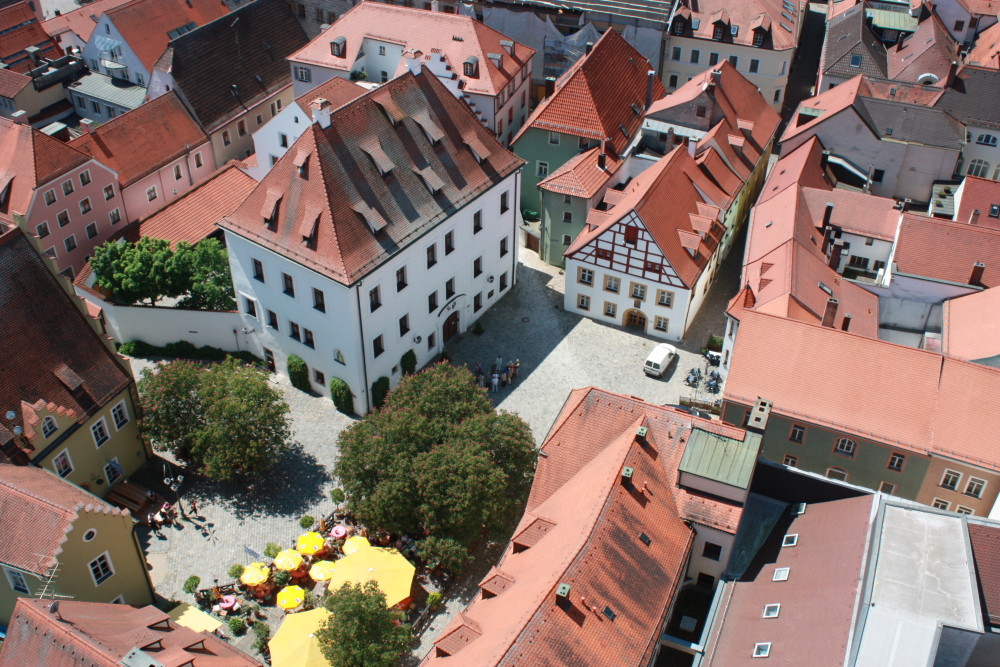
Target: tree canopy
[224,418]
[361,631]
[437,460]
[150,270]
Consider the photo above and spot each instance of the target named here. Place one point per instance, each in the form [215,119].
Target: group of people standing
[500,374]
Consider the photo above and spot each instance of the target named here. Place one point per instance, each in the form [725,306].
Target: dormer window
[758,38]
[338,47]
[717,32]
[679,25]
[471,67]
[269,211]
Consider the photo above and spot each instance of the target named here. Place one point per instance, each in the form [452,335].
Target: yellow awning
[193,618]
[295,643]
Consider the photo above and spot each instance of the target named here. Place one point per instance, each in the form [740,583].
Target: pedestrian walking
[510,372]
[499,363]
[480,380]
[194,509]
[494,382]
[479,368]
[517,365]
[503,379]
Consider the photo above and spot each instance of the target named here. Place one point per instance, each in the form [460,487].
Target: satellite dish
[54,608]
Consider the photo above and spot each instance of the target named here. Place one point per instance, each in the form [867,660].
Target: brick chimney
[20,117]
[827,214]
[650,77]
[321,109]
[602,160]
[589,48]
[831,311]
[550,85]
[974,217]
[87,125]
[977,274]
[847,322]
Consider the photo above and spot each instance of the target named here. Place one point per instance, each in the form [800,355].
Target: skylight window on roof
[856,60]
[825,288]
[734,30]
[787,16]
[780,574]
[888,131]
[177,32]
[785,27]
[644,538]
[788,6]
[610,613]
[771,610]
[995,210]
[636,109]
[790,540]
[761,649]
[623,130]
[695,24]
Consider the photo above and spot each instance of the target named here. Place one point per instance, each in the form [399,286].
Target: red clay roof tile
[145,24]
[986,550]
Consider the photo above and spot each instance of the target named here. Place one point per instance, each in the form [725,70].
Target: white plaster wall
[977,151]
[699,563]
[374,63]
[93,55]
[317,75]
[292,121]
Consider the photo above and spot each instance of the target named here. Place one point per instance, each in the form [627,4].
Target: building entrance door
[451,326]
[636,318]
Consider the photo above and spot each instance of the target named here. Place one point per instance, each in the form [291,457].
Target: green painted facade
[554,226]
[868,467]
[533,146]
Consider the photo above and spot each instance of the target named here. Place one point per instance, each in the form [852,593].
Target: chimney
[977,274]
[831,311]
[974,217]
[835,256]
[87,125]
[649,87]
[590,47]
[602,160]
[847,322]
[692,146]
[827,215]
[32,52]
[321,109]
[550,85]
[20,116]
[435,6]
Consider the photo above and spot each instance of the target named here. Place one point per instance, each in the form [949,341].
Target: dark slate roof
[911,123]
[47,340]
[974,97]
[847,35]
[245,49]
[353,217]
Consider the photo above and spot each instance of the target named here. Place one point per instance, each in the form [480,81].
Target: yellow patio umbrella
[353,544]
[255,574]
[288,560]
[291,597]
[295,643]
[322,570]
[309,543]
[386,567]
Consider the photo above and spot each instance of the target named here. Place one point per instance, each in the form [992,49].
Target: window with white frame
[661,323]
[797,434]
[612,284]
[780,574]
[101,568]
[987,139]
[85,176]
[583,302]
[50,197]
[638,291]
[975,487]
[42,230]
[896,461]
[100,432]
[62,463]
[567,239]
[115,216]
[665,298]
[542,169]
[845,446]
[70,243]
[771,610]
[303,74]
[940,504]
[119,414]
[761,649]
[887,487]
[113,471]
[553,138]
[791,461]
[962,509]
[610,309]
[950,480]
[978,168]
[837,473]
[49,426]
[790,540]
[67,187]
[584,276]
[17,581]
[151,193]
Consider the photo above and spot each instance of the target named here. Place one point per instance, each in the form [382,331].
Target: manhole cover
[525,319]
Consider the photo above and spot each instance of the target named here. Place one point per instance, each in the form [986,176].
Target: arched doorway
[635,319]
[451,326]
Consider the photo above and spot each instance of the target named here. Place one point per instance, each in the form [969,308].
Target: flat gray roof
[115,91]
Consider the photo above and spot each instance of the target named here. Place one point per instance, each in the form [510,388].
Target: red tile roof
[828,377]
[972,325]
[32,159]
[771,15]
[599,95]
[420,31]
[336,91]
[37,507]
[47,333]
[195,215]
[137,143]
[103,634]
[144,24]
[929,50]
[344,194]
[979,194]
[945,250]
[986,51]
[985,540]
[664,197]
[580,176]
[80,21]
[11,83]
[815,622]
[593,543]
[19,29]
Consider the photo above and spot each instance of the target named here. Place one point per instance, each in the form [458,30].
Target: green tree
[210,283]
[361,631]
[137,272]
[436,459]
[225,418]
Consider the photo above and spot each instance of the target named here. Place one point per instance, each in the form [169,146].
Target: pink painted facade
[157,189]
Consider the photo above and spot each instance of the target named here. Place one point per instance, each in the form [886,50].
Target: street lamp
[174,484]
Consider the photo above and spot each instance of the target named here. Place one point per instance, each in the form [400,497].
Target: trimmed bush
[262,633]
[307,522]
[282,578]
[236,571]
[477,327]
[380,389]
[337,496]
[191,584]
[298,373]
[342,396]
[183,350]
[272,550]
[434,600]
[408,362]
[237,625]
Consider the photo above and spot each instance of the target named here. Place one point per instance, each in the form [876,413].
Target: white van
[659,359]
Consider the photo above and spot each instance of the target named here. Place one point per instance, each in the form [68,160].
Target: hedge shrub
[184,350]
[342,396]
[380,390]
[298,373]
[409,362]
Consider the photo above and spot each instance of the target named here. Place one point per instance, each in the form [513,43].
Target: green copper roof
[719,458]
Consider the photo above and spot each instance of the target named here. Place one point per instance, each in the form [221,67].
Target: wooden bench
[127,494]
